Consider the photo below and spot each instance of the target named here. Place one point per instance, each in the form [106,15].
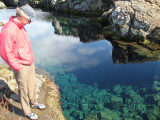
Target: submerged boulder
[116,102]
[156,86]
[106,114]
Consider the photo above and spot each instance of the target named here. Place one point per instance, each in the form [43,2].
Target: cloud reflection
[68,50]
[50,49]
[90,51]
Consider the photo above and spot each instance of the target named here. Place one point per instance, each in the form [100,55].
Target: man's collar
[18,24]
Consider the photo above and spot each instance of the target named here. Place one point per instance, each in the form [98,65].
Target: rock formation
[135,20]
[131,20]
[2,5]
[47,93]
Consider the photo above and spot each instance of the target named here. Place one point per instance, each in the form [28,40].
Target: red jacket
[15,46]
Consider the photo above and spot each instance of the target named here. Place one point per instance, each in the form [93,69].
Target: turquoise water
[91,85]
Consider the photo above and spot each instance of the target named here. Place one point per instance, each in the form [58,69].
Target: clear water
[84,71]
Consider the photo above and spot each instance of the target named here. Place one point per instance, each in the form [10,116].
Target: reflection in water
[132,52]
[86,29]
[91,85]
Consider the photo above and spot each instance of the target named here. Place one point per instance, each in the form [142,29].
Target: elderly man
[16,50]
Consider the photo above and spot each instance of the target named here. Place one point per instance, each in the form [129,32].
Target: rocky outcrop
[1,23]
[95,7]
[2,5]
[133,20]
[47,93]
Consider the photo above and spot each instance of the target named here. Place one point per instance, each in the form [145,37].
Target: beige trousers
[26,81]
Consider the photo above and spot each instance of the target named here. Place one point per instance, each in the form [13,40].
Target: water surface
[81,68]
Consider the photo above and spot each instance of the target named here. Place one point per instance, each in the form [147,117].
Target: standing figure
[16,50]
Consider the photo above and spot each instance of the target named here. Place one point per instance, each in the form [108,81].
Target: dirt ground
[11,110]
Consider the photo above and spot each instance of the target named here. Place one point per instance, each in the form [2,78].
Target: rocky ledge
[47,93]
[133,20]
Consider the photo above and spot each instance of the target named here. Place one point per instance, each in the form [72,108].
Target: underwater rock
[78,114]
[156,97]
[153,114]
[108,114]
[118,89]
[84,107]
[116,102]
[156,86]
[99,106]
[92,116]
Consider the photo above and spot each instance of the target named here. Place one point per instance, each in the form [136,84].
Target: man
[16,50]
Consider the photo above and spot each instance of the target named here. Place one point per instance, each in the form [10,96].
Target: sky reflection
[90,62]
[65,50]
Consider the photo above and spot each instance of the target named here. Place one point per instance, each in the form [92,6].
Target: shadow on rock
[7,95]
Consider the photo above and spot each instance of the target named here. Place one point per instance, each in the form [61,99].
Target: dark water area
[109,75]
[75,51]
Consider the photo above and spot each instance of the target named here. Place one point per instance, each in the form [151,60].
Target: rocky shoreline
[47,93]
[129,20]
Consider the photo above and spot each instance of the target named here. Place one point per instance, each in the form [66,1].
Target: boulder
[2,5]
[133,20]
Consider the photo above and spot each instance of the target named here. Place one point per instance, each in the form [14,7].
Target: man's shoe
[32,116]
[38,106]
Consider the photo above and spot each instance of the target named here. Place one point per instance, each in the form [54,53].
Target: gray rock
[1,95]
[3,84]
[134,18]
[14,97]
